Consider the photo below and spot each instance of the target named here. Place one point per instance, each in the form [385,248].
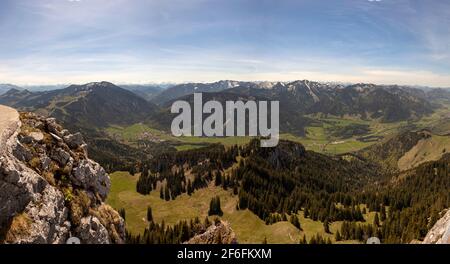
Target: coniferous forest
[277,183]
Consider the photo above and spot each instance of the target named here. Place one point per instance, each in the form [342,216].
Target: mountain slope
[291,120]
[90,109]
[388,103]
[6,87]
[14,96]
[367,101]
[90,105]
[190,88]
[148,92]
[407,150]
[415,198]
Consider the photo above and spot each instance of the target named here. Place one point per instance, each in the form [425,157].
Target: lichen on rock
[50,189]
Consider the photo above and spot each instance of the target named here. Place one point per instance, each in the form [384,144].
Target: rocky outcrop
[219,233]
[49,189]
[91,176]
[440,232]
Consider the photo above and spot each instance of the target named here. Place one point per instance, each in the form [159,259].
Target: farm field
[328,135]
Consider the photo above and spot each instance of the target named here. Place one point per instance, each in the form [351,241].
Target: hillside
[367,101]
[416,198]
[148,92]
[90,109]
[427,149]
[407,150]
[89,105]
[291,120]
[6,87]
[389,104]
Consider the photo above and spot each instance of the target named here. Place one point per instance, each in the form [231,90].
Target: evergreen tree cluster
[283,181]
[165,234]
[214,207]
[356,231]
[316,239]
[413,203]
[204,164]
[277,183]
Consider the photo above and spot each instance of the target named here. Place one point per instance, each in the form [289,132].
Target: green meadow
[248,227]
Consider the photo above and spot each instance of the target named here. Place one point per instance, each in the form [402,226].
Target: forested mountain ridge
[283,179]
[89,105]
[288,179]
[89,109]
[407,150]
[388,103]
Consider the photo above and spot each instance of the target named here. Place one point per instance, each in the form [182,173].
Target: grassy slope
[426,150]
[247,226]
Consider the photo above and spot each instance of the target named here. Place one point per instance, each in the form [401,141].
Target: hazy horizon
[169,84]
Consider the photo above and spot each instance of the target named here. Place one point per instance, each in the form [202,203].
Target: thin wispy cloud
[54,41]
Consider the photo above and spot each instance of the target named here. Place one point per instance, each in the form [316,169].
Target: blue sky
[140,41]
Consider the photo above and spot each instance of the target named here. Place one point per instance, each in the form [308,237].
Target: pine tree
[383,213]
[265,240]
[149,214]
[214,207]
[218,180]
[326,226]
[376,220]
[306,213]
[303,240]
[144,172]
[132,170]
[122,213]
[207,222]
[338,236]
[166,193]
[189,187]
[295,222]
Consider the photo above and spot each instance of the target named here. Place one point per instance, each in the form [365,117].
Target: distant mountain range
[190,88]
[148,92]
[102,104]
[6,87]
[91,105]
[388,103]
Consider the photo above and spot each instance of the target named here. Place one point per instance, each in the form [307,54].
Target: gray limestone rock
[74,140]
[91,231]
[440,232]
[33,209]
[61,156]
[91,176]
